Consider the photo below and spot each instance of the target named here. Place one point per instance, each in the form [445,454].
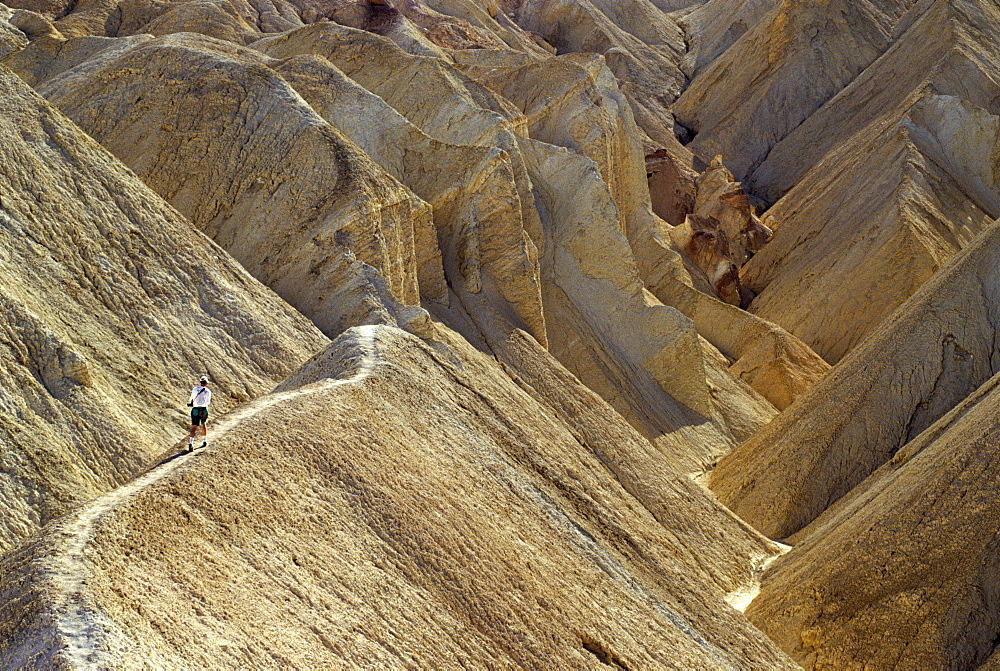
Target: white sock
[190,440]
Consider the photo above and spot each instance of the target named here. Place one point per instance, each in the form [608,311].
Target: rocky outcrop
[672,187]
[416,467]
[472,189]
[20,26]
[111,305]
[933,351]
[590,279]
[722,198]
[11,37]
[705,243]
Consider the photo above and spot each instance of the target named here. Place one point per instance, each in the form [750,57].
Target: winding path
[78,627]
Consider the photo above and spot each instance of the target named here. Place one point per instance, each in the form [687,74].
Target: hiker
[200,398]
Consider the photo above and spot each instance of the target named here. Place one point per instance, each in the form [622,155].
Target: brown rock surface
[437,493]
[111,305]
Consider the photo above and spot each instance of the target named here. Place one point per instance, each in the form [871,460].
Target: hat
[203,380]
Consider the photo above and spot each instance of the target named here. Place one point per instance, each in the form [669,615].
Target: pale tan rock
[433,532]
[714,26]
[900,572]
[12,38]
[640,44]
[112,306]
[951,49]
[447,106]
[290,209]
[473,191]
[586,112]
[775,363]
[933,351]
[928,102]
[590,280]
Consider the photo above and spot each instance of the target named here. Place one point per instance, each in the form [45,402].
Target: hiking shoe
[203,444]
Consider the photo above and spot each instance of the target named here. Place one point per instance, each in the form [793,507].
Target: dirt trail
[78,628]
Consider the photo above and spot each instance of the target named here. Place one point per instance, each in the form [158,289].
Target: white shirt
[201,397]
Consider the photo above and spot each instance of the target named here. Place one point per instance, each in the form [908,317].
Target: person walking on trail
[201,396]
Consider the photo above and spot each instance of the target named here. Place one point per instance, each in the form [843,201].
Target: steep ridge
[111,305]
[463,113]
[781,70]
[713,26]
[228,142]
[951,49]
[903,175]
[852,571]
[414,487]
[852,244]
[930,354]
[473,189]
[590,280]
[640,44]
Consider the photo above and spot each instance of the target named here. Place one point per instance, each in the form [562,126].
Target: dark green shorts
[199,416]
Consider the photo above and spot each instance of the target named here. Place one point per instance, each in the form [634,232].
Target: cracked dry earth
[543,334]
